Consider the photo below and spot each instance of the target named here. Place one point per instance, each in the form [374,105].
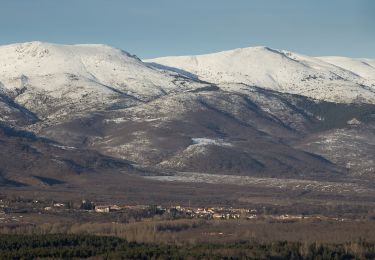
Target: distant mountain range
[72,109]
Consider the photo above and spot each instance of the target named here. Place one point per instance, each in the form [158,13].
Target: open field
[191,231]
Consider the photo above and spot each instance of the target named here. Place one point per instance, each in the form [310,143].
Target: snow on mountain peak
[279,70]
[100,74]
[363,67]
[80,74]
[105,65]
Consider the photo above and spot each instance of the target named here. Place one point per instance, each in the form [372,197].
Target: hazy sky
[177,27]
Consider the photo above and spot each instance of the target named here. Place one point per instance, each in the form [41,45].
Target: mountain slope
[277,70]
[363,67]
[57,80]
[253,112]
[26,159]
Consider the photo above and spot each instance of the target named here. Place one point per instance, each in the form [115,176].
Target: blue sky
[175,27]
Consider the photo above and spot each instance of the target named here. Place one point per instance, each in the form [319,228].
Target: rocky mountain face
[69,109]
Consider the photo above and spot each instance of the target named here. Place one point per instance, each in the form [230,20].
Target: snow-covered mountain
[364,68]
[341,80]
[254,111]
[54,79]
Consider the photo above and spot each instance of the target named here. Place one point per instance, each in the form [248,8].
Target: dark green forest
[85,246]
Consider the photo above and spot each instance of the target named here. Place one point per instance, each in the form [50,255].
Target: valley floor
[199,218]
[146,210]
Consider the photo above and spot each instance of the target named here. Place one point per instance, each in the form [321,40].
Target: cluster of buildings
[189,212]
[24,206]
[106,209]
[211,213]
[218,213]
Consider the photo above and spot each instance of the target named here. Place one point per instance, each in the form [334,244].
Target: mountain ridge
[249,112]
[277,70]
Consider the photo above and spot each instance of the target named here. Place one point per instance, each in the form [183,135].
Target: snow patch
[354,121]
[64,147]
[208,141]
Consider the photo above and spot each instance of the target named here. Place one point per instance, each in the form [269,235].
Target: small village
[14,211]
[216,213]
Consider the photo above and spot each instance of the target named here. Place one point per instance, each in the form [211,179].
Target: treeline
[85,246]
[196,231]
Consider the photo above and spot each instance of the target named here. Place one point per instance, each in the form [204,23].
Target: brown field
[192,231]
